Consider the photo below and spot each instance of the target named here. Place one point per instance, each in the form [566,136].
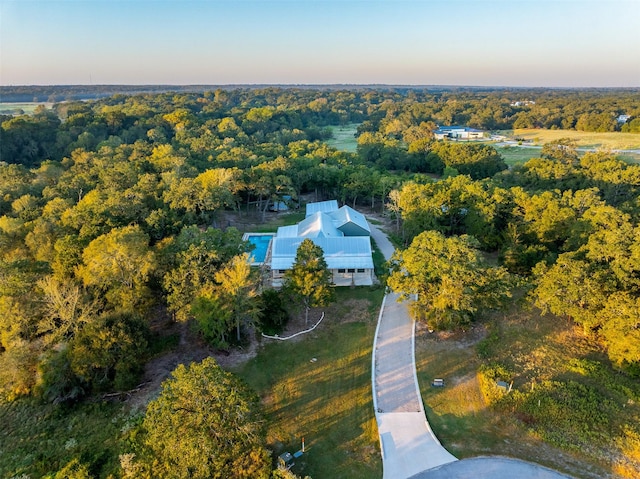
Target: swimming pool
[261,242]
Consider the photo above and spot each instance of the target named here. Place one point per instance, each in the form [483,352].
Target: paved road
[409,447]
[490,467]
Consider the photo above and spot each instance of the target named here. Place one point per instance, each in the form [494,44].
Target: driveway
[407,442]
[409,447]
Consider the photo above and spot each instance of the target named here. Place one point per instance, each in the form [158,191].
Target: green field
[557,373]
[517,154]
[328,401]
[344,137]
[13,108]
[514,155]
[609,140]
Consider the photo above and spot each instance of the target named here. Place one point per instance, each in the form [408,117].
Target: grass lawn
[327,401]
[569,409]
[521,154]
[344,137]
[253,223]
[515,154]
[608,140]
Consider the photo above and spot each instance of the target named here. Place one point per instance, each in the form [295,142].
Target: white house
[342,233]
[458,133]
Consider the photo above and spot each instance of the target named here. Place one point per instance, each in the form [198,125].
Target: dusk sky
[564,43]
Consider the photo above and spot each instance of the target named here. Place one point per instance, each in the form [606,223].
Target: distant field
[611,140]
[13,108]
[521,154]
[515,154]
[344,137]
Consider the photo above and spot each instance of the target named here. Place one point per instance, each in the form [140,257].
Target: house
[458,133]
[523,103]
[342,233]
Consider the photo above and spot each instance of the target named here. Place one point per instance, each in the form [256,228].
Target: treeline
[568,225]
[112,208]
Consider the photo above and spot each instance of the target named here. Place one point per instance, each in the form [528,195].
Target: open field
[521,154]
[344,137]
[327,401]
[609,140]
[28,108]
[515,154]
[583,423]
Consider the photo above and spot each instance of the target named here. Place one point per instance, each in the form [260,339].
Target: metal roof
[346,214]
[318,225]
[342,252]
[323,206]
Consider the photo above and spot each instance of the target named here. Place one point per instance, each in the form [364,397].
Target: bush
[273,317]
[107,354]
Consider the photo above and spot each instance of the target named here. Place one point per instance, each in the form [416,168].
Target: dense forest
[112,209]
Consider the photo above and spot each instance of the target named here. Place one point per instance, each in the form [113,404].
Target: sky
[540,43]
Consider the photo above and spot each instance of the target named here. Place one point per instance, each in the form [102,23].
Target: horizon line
[409,85]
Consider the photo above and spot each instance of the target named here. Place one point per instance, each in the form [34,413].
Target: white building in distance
[458,133]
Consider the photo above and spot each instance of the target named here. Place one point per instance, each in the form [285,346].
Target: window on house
[360,270]
[351,270]
[342,270]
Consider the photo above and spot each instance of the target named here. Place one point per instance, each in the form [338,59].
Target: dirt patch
[191,348]
[351,310]
[461,338]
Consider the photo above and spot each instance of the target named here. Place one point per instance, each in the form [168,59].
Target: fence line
[298,333]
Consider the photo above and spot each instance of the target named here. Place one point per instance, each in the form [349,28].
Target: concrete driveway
[407,442]
[409,447]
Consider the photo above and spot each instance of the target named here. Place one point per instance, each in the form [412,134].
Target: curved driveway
[409,447]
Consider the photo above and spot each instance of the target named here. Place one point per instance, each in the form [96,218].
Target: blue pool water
[261,243]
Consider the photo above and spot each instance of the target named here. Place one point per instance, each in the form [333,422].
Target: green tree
[67,308]
[198,255]
[621,331]
[572,287]
[238,286]
[448,278]
[309,280]
[119,263]
[206,424]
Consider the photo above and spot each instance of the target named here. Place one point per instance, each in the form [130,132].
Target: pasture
[344,137]
[584,139]
[21,108]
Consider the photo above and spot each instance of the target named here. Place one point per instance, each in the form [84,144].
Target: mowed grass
[344,137]
[608,140]
[597,434]
[514,155]
[319,388]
